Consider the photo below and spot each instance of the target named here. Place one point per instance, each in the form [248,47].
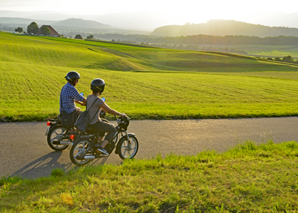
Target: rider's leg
[100,136]
[108,137]
[105,127]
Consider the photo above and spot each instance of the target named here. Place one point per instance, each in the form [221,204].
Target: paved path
[24,151]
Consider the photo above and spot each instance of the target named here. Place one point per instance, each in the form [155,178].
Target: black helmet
[72,76]
[98,85]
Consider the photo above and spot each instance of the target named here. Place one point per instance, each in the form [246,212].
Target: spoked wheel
[79,150]
[128,149]
[55,137]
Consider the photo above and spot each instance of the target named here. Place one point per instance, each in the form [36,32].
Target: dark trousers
[103,127]
[68,119]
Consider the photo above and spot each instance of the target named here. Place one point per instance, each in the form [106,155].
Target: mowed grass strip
[247,178]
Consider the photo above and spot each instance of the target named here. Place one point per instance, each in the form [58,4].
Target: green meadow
[142,81]
[153,83]
[264,50]
[247,178]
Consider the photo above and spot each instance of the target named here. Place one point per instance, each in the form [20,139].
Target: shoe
[102,150]
[97,155]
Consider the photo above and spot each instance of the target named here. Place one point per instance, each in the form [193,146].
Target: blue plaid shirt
[68,95]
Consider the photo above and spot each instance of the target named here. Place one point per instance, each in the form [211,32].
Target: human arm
[83,103]
[107,109]
[78,98]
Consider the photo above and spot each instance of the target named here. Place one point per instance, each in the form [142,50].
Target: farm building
[52,30]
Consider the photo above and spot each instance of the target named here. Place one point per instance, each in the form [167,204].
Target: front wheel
[128,148]
[55,137]
[79,150]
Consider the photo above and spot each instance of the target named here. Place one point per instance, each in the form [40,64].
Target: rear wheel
[128,148]
[79,150]
[55,138]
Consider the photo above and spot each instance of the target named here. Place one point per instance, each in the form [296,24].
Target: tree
[33,28]
[78,36]
[90,37]
[45,30]
[288,59]
[19,30]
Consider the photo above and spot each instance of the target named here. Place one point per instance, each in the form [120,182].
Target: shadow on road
[42,166]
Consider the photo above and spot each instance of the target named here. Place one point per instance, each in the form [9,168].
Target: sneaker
[102,150]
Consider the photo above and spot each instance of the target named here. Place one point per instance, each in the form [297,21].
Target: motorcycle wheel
[80,149]
[128,149]
[55,135]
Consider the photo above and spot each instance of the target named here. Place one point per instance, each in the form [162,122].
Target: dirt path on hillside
[24,151]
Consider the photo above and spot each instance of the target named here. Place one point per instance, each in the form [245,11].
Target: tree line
[34,29]
[222,40]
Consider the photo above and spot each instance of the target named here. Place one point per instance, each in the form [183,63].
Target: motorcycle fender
[123,138]
[49,129]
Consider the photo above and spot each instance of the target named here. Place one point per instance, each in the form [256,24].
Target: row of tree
[34,29]
[222,40]
[288,59]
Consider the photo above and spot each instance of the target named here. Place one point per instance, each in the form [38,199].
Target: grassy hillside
[262,50]
[144,82]
[247,178]
[224,27]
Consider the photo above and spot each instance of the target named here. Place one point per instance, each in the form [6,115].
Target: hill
[70,23]
[8,20]
[142,81]
[79,23]
[68,27]
[222,28]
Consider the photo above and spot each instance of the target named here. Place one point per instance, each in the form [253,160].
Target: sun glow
[187,11]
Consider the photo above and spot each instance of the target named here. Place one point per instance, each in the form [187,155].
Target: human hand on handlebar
[124,115]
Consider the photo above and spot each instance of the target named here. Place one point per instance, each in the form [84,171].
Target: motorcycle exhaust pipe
[65,142]
[89,157]
[61,142]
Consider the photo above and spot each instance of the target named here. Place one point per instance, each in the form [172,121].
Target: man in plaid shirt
[68,97]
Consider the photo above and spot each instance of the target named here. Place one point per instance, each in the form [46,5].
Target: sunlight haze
[187,11]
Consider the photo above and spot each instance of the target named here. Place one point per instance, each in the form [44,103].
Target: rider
[97,87]
[69,95]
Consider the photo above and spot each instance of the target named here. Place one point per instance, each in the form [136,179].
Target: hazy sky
[192,11]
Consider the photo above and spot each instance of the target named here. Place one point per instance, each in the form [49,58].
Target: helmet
[98,85]
[72,76]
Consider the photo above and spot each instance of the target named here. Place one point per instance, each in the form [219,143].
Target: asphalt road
[24,151]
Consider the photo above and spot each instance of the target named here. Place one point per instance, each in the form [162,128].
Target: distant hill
[148,21]
[69,23]
[80,23]
[223,28]
[21,21]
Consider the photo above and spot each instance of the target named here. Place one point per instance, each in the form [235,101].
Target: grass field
[248,178]
[265,50]
[155,83]
[144,82]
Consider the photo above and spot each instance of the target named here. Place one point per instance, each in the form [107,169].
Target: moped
[84,148]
